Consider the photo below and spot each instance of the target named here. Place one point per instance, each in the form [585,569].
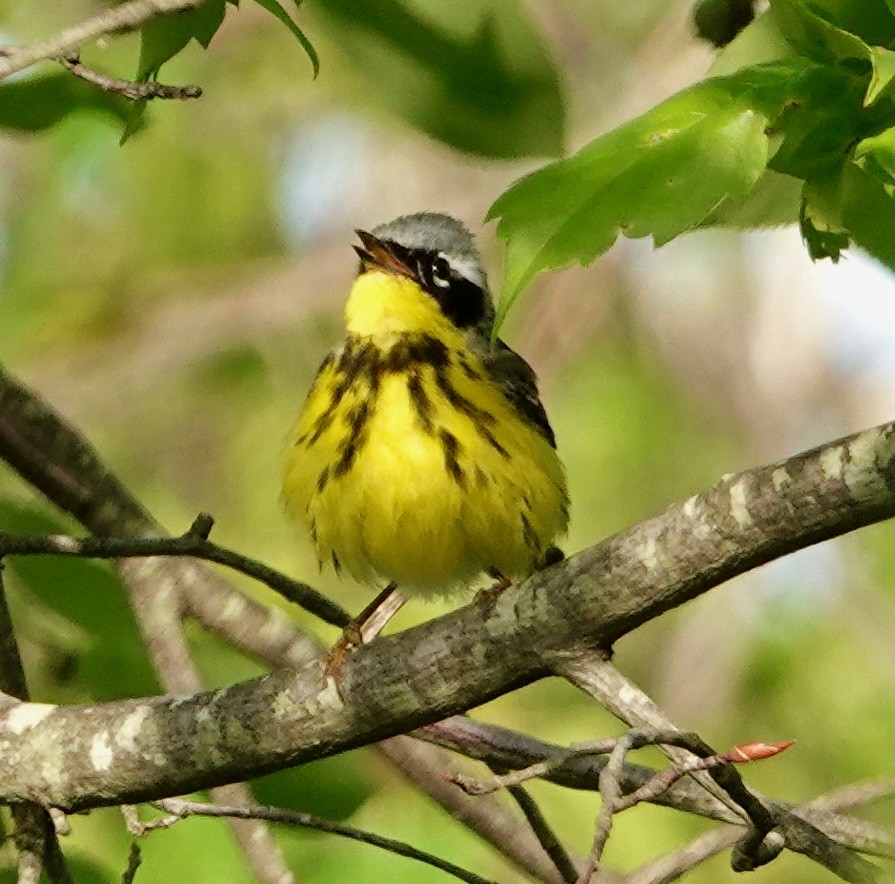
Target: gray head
[431,231]
[439,253]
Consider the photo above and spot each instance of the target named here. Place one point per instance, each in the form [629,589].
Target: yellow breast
[409,464]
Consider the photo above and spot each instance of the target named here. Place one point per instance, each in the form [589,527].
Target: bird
[422,457]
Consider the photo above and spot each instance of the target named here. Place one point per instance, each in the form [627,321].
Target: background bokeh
[174,296]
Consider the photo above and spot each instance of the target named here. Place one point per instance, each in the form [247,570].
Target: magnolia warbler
[423,455]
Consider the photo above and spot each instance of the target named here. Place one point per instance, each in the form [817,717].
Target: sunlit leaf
[883,61]
[876,155]
[661,174]
[473,73]
[38,103]
[773,201]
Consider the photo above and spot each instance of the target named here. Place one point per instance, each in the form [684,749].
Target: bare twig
[674,864]
[126,88]
[593,673]
[126,17]
[564,863]
[194,542]
[490,816]
[615,800]
[134,858]
[179,807]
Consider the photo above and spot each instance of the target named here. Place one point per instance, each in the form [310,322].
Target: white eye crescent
[441,272]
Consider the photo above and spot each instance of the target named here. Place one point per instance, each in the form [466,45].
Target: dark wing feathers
[519,384]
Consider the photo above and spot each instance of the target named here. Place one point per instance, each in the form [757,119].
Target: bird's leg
[488,595]
[363,628]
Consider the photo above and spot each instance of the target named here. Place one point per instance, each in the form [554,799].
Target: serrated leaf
[816,37]
[472,73]
[37,103]
[661,174]
[820,219]
[274,8]
[773,201]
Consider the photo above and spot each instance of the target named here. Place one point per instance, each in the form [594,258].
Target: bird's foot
[487,596]
[361,630]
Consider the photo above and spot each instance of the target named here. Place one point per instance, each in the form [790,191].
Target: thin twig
[485,785]
[126,17]
[673,865]
[593,673]
[194,542]
[564,863]
[126,88]
[134,858]
[179,807]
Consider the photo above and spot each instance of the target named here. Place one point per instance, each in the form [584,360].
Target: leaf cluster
[796,124]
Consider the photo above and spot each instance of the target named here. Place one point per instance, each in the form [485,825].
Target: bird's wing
[519,384]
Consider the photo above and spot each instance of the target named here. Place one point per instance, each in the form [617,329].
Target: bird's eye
[441,272]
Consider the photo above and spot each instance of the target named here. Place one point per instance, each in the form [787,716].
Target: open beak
[379,255]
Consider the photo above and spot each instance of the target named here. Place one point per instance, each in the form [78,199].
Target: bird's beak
[379,255]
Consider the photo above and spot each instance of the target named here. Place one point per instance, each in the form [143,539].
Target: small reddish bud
[756,751]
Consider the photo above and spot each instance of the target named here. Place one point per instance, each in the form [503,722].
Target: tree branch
[126,17]
[35,835]
[194,542]
[400,682]
[54,458]
[180,808]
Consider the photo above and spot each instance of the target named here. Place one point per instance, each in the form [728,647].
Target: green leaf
[820,218]
[662,174]
[37,103]
[869,20]
[876,155]
[472,73]
[851,204]
[278,12]
[163,37]
[868,211]
[883,61]
[820,122]
[815,37]
[773,201]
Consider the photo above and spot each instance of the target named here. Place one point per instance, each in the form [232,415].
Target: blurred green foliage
[151,293]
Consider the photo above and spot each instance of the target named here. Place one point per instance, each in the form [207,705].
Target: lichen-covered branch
[144,749]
